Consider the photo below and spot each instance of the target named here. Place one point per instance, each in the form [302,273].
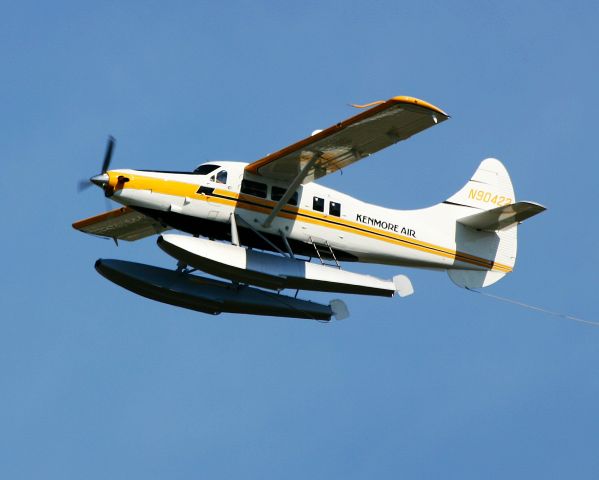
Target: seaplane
[260,231]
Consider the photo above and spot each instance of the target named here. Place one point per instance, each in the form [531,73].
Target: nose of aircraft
[100,180]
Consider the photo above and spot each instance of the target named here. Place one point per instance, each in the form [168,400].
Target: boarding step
[324,252]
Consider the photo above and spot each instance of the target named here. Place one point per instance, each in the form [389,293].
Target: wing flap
[350,140]
[121,223]
[502,217]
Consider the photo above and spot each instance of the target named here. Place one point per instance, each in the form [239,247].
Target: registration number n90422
[489,197]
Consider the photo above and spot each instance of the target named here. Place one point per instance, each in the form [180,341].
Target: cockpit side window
[221,177]
[205,169]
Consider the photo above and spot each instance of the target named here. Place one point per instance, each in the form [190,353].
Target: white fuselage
[369,233]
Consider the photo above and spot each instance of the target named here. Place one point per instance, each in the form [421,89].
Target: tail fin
[489,187]
[488,194]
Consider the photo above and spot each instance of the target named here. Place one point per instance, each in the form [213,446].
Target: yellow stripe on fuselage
[260,205]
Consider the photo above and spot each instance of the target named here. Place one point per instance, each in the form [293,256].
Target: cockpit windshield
[221,177]
[205,169]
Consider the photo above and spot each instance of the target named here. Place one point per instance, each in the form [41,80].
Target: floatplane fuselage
[275,205]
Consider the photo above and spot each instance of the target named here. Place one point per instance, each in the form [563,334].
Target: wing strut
[297,181]
[287,246]
[248,225]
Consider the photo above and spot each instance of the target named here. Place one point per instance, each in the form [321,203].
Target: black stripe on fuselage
[222,231]
[332,222]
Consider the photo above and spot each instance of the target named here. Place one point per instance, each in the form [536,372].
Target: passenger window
[335,209]
[318,204]
[221,177]
[277,193]
[256,189]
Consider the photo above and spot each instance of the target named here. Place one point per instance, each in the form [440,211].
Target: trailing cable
[535,308]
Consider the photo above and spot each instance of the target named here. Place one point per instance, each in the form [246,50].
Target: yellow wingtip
[402,99]
[417,101]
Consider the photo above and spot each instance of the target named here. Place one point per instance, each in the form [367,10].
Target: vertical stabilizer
[489,188]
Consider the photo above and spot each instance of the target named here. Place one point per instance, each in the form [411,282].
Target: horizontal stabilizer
[502,217]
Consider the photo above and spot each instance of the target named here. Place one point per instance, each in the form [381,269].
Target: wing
[386,123]
[122,223]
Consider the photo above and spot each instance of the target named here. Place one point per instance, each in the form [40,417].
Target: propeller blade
[108,154]
[83,185]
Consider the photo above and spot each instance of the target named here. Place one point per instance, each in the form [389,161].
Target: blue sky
[96,382]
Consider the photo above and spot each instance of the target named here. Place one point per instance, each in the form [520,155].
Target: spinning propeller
[102,178]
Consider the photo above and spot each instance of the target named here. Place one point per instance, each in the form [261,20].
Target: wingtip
[418,102]
[537,205]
